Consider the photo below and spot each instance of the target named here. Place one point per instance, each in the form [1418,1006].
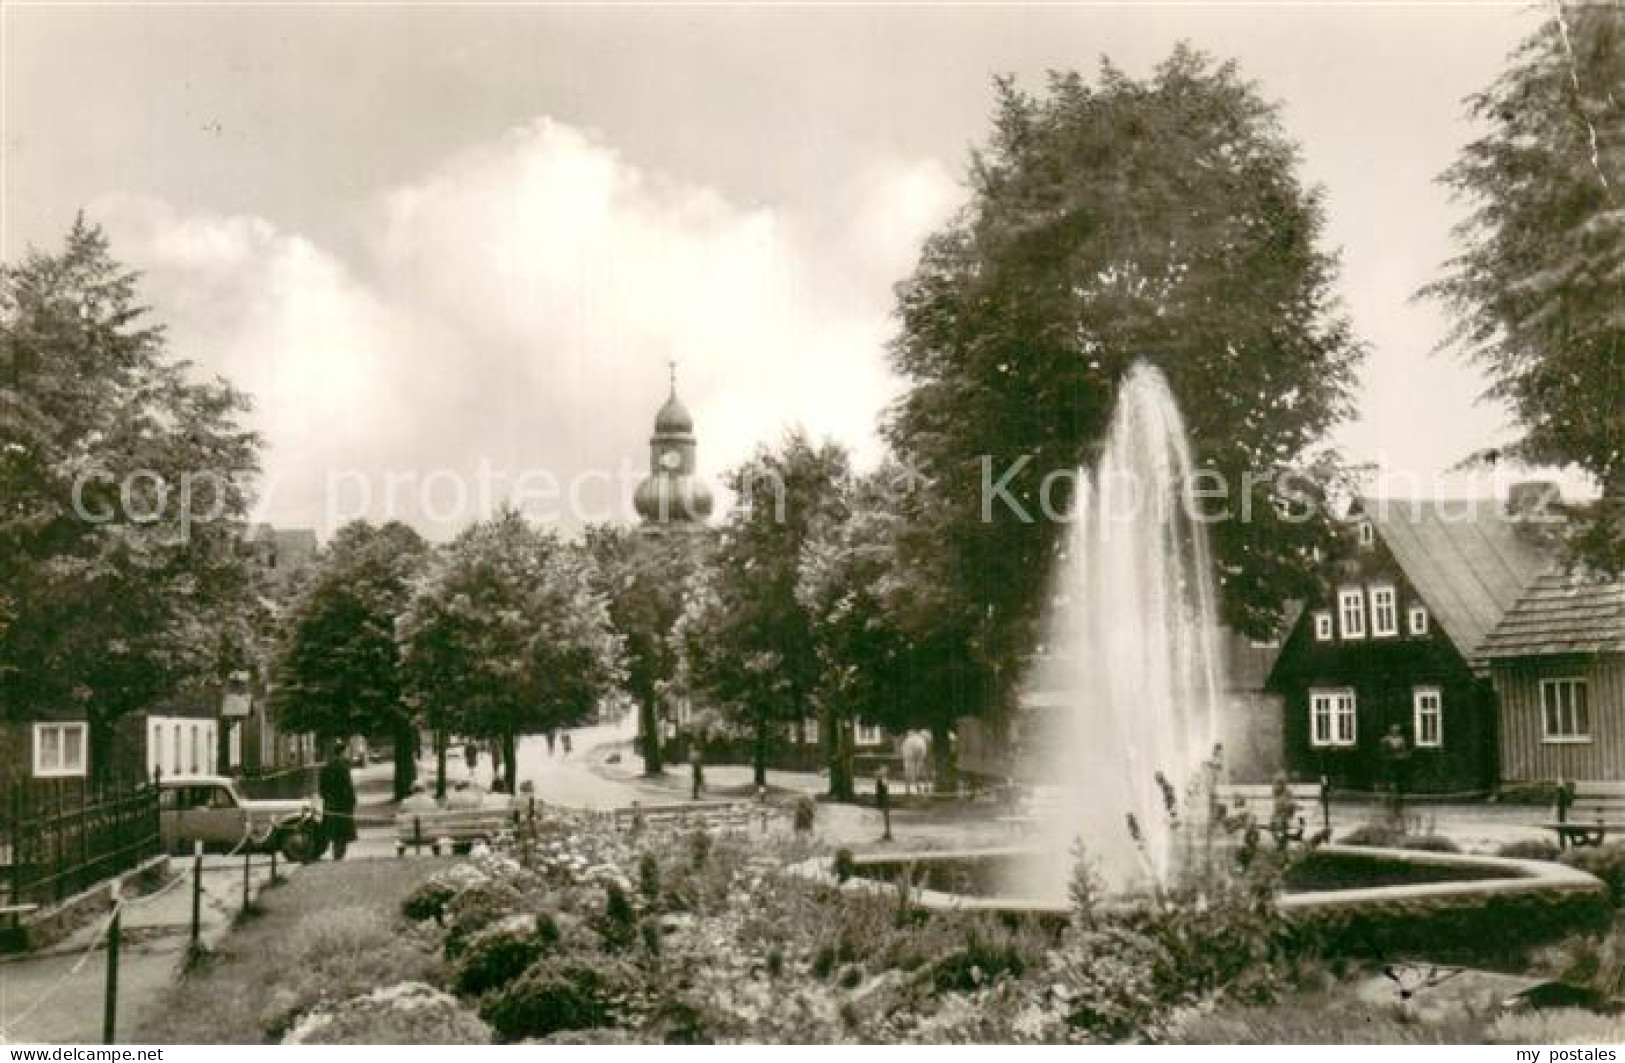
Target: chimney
[1534,501]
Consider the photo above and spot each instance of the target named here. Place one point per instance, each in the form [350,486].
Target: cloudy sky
[443,246]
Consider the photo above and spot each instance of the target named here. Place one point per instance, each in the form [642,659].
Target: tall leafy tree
[644,574]
[1159,219]
[745,639]
[508,634]
[338,669]
[1538,291]
[889,653]
[123,484]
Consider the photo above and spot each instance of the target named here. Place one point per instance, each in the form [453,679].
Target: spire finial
[672,363]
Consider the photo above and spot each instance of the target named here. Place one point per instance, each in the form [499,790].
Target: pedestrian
[471,754]
[883,802]
[1396,752]
[552,740]
[566,741]
[696,769]
[338,801]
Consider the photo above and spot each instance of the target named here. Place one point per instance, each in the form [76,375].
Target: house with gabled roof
[1391,645]
[1557,664]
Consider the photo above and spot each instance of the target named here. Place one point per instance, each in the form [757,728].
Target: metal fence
[58,838]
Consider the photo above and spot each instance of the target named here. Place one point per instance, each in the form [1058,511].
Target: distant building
[672,496]
[1557,663]
[1394,641]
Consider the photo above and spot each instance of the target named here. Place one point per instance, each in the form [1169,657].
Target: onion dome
[665,499]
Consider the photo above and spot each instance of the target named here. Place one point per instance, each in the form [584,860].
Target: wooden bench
[451,829]
[1251,796]
[1597,810]
[709,813]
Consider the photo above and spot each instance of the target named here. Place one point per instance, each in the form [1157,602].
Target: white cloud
[517,311]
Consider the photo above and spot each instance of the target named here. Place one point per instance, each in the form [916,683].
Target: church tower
[671,496]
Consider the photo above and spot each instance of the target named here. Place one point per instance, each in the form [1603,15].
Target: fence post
[273,867]
[16,846]
[56,845]
[110,1001]
[197,894]
[248,857]
[417,835]
[1326,804]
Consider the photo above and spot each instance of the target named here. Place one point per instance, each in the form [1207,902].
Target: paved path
[57,997]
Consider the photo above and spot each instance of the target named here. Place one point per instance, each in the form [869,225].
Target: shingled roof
[1562,613]
[1465,557]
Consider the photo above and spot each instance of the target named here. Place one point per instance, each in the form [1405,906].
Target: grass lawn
[332,926]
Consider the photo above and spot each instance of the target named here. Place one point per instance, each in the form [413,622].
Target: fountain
[1134,656]
[1133,671]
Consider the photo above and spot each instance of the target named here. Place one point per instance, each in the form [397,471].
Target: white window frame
[1366,533]
[1355,597]
[1418,619]
[1422,712]
[57,767]
[1379,592]
[1578,708]
[1325,631]
[1339,708]
[867,734]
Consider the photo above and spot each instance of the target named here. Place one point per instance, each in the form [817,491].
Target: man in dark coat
[338,801]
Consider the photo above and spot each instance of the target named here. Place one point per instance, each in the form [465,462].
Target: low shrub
[1385,836]
[1530,849]
[844,866]
[1109,982]
[1374,835]
[428,901]
[1429,843]
[410,1013]
[498,954]
[1607,862]
[984,957]
[559,993]
[475,908]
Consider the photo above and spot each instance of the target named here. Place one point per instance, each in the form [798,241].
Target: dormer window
[1366,533]
[1384,611]
[1351,610]
[1419,620]
[1323,626]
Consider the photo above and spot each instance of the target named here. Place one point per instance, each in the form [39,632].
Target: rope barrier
[119,905]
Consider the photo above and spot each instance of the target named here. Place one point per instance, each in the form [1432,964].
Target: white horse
[916,745]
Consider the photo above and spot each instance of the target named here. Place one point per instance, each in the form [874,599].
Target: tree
[1160,220]
[745,641]
[338,670]
[643,576]
[1536,291]
[888,656]
[122,499]
[508,635]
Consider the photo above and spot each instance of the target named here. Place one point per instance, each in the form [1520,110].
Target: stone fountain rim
[1523,877]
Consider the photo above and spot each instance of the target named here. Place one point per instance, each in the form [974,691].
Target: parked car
[210,809]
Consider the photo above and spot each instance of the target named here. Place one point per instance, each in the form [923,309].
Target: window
[1331,717]
[868,735]
[1427,710]
[1384,612]
[175,749]
[1565,710]
[1367,534]
[1323,626]
[1351,605]
[59,750]
[1419,620]
[197,744]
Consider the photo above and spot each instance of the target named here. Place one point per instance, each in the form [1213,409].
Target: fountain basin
[1384,903]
